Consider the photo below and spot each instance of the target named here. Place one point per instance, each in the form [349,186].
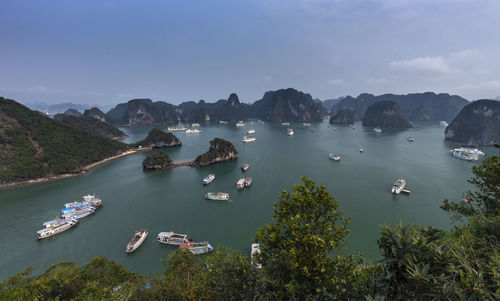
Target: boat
[77,213]
[334,157]
[217,196]
[88,200]
[245,167]
[248,139]
[177,128]
[312,130]
[222,122]
[306,124]
[398,186]
[248,182]
[240,123]
[474,151]
[171,238]
[251,132]
[198,247]
[137,240]
[261,122]
[285,123]
[443,123]
[193,131]
[91,198]
[289,132]
[56,227]
[361,149]
[55,222]
[464,155]
[193,125]
[377,130]
[209,179]
[411,139]
[255,252]
[240,184]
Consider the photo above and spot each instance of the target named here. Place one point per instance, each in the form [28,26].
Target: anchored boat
[217,196]
[377,130]
[137,240]
[55,227]
[251,132]
[77,213]
[240,123]
[198,247]
[289,132]
[240,184]
[245,167]
[285,123]
[248,139]
[209,179]
[248,182]
[171,238]
[193,131]
[334,157]
[411,139]
[398,186]
[177,128]
[195,125]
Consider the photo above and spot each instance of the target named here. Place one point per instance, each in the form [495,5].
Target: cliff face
[385,114]
[344,116]
[95,113]
[229,110]
[143,112]
[73,112]
[157,138]
[220,151]
[288,105]
[477,124]
[418,106]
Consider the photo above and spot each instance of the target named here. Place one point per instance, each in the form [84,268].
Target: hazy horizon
[108,52]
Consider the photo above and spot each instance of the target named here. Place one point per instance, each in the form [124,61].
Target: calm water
[173,199]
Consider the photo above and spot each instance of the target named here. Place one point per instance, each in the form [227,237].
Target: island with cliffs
[385,114]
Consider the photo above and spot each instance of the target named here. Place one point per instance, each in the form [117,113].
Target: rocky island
[385,114]
[156,161]
[143,112]
[91,125]
[344,116]
[478,124]
[157,138]
[220,151]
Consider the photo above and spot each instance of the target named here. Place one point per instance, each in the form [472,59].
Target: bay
[173,199]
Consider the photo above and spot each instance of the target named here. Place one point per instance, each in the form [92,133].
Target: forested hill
[34,146]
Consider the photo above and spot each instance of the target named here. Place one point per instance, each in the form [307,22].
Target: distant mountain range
[53,109]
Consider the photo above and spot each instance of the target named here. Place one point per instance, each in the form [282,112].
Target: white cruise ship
[251,132]
[177,128]
[55,227]
[217,196]
[193,131]
[398,186]
[464,155]
[240,123]
[195,125]
[248,139]
[171,238]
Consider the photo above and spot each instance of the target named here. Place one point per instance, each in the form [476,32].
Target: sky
[107,52]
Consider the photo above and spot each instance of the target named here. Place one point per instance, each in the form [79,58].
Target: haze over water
[173,199]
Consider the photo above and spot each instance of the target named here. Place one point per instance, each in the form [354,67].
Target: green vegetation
[301,259]
[157,160]
[158,138]
[385,114]
[91,125]
[34,146]
[220,150]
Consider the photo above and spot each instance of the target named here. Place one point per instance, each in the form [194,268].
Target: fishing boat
[198,247]
[285,123]
[255,252]
[398,186]
[251,132]
[77,213]
[248,182]
[209,179]
[217,196]
[137,240]
[377,130]
[443,123]
[245,167]
[171,238]
[334,157]
[240,184]
[195,125]
[411,139]
[240,123]
[193,131]
[289,132]
[177,128]
[55,227]
[248,139]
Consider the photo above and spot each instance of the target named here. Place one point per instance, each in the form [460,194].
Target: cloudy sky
[107,52]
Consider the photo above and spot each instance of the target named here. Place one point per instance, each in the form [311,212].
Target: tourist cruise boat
[198,247]
[177,128]
[245,167]
[306,124]
[254,253]
[464,155]
[240,184]
[240,123]
[248,182]
[443,123]
[248,139]
[377,130]
[55,227]
[398,186]
[171,238]
[77,213]
[411,139]
[289,132]
[88,200]
[285,123]
[223,122]
[217,196]
[361,149]
[251,132]
[193,131]
[195,125]
[137,240]
[334,157]
[474,151]
[209,179]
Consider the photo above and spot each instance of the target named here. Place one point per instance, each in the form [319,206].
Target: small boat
[248,182]
[377,130]
[198,247]
[55,227]
[77,213]
[222,122]
[195,125]
[289,132]
[177,128]
[334,157]
[217,196]
[240,184]
[398,186]
[209,179]
[248,139]
[285,123]
[443,123]
[312,130]
[171,238]
[251,132]
[96,202]
[240,123]
[137,240]
[411,139]
[255,252]
[306,124]
[193,131]
[361,149]
[245,167]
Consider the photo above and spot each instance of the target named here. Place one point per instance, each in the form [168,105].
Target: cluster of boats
[250,137]
[70,215]
[465,153]
[170,238]
[243,182]
[224,196]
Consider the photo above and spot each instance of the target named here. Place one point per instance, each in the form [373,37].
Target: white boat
[334,157]
[198,247]
[240,184]
[193,125]
[306,124]
[248,139]
[474,151]
[361,149]
[289,132]
[245,167]
[177,128]
[251,132]
[171,238]
[261,122]
[443,123]
[209,179]
[55,227]
[222,122]
[411,139]
[398,186]
[217,196]
[137,240]
[255,252]
[285,123]
[377,130]
[88,200]
[193,131]
[464,155]
[77,213]
[240,123]
[248,182]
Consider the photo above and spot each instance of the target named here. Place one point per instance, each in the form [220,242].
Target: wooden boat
[198,247]
[137,240]
[248,182]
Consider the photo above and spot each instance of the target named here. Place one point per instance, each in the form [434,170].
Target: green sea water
[173,199]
